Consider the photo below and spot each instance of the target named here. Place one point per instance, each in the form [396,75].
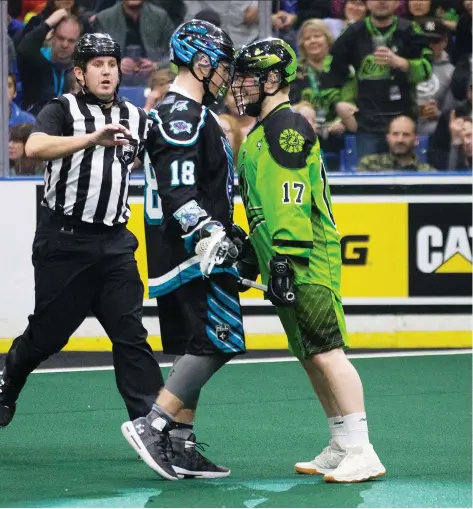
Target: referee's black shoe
[188,462]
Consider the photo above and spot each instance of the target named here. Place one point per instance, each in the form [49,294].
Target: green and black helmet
[261,60]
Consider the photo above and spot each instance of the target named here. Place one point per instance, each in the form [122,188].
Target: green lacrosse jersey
[284,188]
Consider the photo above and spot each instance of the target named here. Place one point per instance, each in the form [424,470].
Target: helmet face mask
[269,61]
[248,91]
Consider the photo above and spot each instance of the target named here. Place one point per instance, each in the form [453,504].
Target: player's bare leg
[333,454]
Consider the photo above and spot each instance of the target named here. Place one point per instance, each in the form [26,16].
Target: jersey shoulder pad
[179,121]
[290,138]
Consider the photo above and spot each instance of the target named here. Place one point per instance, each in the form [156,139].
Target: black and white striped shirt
[92,184]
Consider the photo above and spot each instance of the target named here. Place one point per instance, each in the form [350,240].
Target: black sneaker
[151,442]
[189,462]
[7,409]
[6,414]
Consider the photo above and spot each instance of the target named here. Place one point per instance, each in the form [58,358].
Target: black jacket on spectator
[463,38]
[155,27]
[308,9]
[383,93]
[440,141]
[38,73]
[176,9]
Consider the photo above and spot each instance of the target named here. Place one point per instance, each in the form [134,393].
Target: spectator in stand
[143,31]
[433,95]
[158,87]
[353,11]
[390,57]
[15,26]
[402,141]
[231,128]
[209,15]
[315,42]
[176,9]
[16,114]
[460,149]
[463,38]
[239,17]
[72,8]
[30,8]
[307,111]
[337,8]
[293,17]
[44,70]
[11,53]
[419,9]
[20,165]
[440,142]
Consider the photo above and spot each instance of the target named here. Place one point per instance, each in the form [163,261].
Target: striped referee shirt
[90,185]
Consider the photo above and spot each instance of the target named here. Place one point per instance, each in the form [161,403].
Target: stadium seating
[350,158]
[136,95]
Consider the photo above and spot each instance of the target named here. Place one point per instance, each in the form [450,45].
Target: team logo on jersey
[189,214]
[128,152]
[180,126]
[291,141]
[370,70]
[222,332]
[180,106]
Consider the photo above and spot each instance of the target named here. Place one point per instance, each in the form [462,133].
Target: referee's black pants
[82,267]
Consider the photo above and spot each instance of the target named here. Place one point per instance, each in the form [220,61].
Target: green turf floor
[65,449]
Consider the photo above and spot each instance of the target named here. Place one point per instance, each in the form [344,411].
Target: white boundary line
[269,360]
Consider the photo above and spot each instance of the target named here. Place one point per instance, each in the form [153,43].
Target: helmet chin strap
[208,97]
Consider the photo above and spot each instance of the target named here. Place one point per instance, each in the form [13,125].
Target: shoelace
[197,447]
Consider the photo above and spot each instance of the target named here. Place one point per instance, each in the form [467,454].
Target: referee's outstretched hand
[107,136]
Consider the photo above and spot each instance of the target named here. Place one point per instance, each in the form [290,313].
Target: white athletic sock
[356,427]
[337,430]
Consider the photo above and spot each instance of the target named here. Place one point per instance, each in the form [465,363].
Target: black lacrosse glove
[247,264]
[281,282]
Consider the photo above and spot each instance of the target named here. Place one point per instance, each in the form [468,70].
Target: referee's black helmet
[95,45]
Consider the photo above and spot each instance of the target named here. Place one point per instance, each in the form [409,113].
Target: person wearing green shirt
[286,195]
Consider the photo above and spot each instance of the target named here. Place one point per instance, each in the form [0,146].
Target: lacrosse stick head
[211,250]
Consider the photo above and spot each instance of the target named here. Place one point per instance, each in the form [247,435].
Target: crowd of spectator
[376,78]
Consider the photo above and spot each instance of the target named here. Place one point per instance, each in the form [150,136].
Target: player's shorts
[203,317]
[316,323]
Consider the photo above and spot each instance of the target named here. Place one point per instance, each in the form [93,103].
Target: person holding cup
[433,95]
[390,57]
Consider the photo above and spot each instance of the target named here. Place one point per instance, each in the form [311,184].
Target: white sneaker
[327,461]
[361,463]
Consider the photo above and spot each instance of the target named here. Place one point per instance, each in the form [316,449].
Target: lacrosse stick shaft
[253,284]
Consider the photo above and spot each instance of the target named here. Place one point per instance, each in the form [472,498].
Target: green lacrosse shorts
[316,323]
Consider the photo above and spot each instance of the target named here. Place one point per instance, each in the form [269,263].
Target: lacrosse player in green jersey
[296,245]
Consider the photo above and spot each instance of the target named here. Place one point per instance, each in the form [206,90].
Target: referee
[83,254]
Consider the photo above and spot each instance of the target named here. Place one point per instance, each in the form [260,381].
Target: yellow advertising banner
[374,247]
